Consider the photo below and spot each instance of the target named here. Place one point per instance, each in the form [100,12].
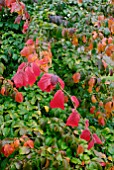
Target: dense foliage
[68,42]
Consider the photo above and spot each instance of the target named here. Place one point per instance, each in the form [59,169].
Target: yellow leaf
[46,108]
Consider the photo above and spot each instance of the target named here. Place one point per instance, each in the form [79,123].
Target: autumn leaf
[86,124]
[58,100]
[29,143]
[9,2]
[75,40]
[31,75]
[75,101]
[86,135]
[47,82]
[7,150]
[80,149]
[19,97]
[90,144]
[3,90]
[76,77]
[84,39]
[92,109]
[35,69]
[93,99]
[16,143]
[96,139]
[101,121]
[91,82]
[108,106]
[73,119]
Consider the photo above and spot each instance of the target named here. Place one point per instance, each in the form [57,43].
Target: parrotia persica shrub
[38,63]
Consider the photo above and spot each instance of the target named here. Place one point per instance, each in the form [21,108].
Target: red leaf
[30,42]
[18,79]
[25,27]
[3,90]
[31,76]
[103,164]
[62,84]
[19,97]
[85,135]
[73,119]
[29,143]
[45,83]
[7,150]
[92,109]
[86,124]
[96,139]
[58,100]
[18,19]
[21,66]
[91,144]
[75,101]
[9,2]
[101,121]
[35,69]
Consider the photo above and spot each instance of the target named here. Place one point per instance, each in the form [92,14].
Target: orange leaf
[65,99]
[90,46]
[104,64]
[80,149]
[95,35]
[19,97]
[108,51]
[84,39]
[7,150]
[97,89]
[101,121]
[16,143]
[93,99]
[100,47]
[76,77]
[101,18]
[75,40]
[90,89]
[29,143]
[108,107]
[110,40]
[3,90]
[91,82]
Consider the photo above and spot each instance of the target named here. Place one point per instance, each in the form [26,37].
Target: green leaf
[24,150]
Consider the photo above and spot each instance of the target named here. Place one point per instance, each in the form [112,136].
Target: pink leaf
[21,66]
[45,83]
[35,69]
[18,79]
[85,135]
[30,42]
[91,144]
[62,84]
[31,76]
[58,100]
[18,19]
[96,139]
[75,101]
[73,119]
[86,124]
